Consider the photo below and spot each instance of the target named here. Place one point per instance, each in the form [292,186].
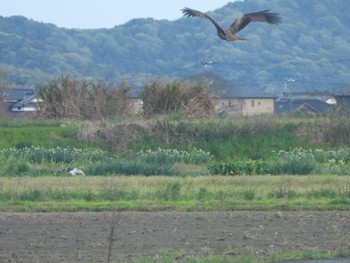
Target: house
[19,100]
[310,103]
[243,102]
[27,104]
[343,100]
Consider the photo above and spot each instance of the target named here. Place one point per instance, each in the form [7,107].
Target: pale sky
[88,14]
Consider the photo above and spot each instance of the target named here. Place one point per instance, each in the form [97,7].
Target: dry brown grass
[67,97]
[191,100]
[116,136]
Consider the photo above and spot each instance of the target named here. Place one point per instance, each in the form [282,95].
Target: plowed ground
[85,237]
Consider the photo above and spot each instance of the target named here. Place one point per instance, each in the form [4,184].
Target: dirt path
[83,237]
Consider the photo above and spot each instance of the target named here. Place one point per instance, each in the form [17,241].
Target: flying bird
[238,24]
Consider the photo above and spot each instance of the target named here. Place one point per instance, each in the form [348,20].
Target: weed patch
[237,167]
[171,192]
[125,167]
[171,156]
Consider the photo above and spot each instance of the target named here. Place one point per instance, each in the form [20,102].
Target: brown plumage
[238,24]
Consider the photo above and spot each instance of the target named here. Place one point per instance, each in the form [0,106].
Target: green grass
[240,142]
[39,136]
[156,193]
[252,138]
[294,255]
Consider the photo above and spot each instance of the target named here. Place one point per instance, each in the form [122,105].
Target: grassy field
[201,193]
[224,138]
[36,156]
[265,164]
[38,133]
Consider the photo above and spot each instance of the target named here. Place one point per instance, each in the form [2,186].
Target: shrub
[344,191]
[115,136]
[23,144]
[337,131]
[322,193]
[300,161]
[130,168]
[55,155]
[172,192]
[66,97]
[203,193]
[297,161]
[249,167]
[170,156]
[89,196]
[341,156]
[248,194]
[192,101]
[33,195]
[15,167]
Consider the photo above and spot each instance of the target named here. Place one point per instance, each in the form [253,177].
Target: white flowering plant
[171,156]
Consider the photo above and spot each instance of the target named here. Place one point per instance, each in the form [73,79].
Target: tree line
[309,45]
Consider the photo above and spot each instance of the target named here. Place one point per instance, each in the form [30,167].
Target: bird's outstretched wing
[194,13]
[262,16]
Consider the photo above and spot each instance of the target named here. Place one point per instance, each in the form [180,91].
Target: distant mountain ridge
[311,46]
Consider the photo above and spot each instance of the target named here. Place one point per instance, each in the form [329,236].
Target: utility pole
[206,68]
[288,82]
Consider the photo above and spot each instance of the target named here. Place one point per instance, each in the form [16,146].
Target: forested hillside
[311,45]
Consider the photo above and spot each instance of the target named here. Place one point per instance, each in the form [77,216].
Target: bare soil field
[85,237]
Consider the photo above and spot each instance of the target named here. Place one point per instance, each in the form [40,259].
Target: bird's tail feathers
[241,39]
